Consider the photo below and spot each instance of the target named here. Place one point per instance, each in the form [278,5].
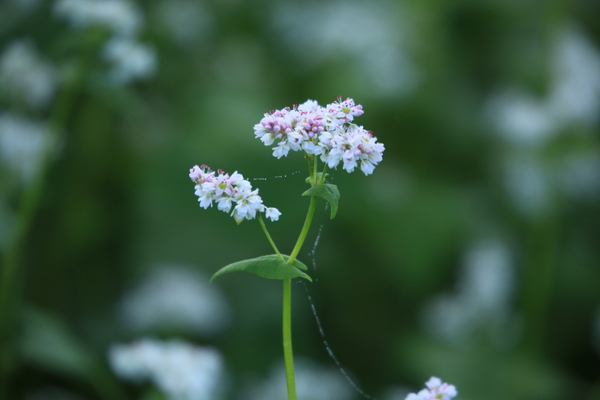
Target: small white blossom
[436,390]
[272,213]
[227,190]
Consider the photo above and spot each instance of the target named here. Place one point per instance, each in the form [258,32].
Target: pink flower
[327,132]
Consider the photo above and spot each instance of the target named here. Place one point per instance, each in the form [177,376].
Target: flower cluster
[181,370]
[436,390]
[327,132]
[176,298]
[227,189]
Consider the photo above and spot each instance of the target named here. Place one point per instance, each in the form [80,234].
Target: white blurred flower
[120,16]
[175,297]
[573,98]
[313,382]
[520,118]
[483,294]
[370,34]
[575,92]
[129,59]
[182,371]
[135,361]
[25,75]
[22,143]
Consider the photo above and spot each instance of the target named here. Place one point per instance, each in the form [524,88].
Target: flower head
[227,190]
[180,370]
[327,132]
[436,390]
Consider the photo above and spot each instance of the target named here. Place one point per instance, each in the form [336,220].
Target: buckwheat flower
[353,146]
[227,190]
[272,213]
[322,131]
[436,390]
[441,390]
[345,110]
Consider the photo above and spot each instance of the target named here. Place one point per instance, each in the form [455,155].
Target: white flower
[436,390]
[22,144]
[272,213]
[422,395]
[129,60]
[175,297]
[182,371]
[373,36]
[120,16]
[25,75]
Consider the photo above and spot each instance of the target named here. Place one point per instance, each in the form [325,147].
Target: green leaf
[270,267]
[328,192]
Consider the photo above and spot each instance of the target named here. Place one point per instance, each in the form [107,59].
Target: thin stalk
[304,231]
[264,228]
[287,305]
[323,175]
[288,354]
[311,168]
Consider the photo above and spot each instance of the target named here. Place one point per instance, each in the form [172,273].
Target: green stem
[288,354]
[287,305]
[323,175]
[304,231]
[10,276]
[264,228]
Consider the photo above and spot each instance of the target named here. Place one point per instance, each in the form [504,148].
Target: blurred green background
[470,254]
